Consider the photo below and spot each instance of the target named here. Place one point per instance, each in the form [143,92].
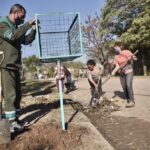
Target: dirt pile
[122,132]
[46,136]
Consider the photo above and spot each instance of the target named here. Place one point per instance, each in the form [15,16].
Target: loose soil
[37,102]
[43,135]
[46,136]
[121,132]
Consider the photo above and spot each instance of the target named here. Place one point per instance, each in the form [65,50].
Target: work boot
[15,127]
[21,123]
[130,104]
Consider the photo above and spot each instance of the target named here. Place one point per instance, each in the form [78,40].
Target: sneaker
[22,123]
[130,104]
[15,127]
[94,102]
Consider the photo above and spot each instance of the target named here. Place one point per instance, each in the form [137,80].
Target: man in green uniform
[13,33]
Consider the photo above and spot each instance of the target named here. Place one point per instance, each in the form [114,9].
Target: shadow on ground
[41,109]
[37,87]
[36,111]
[119,94]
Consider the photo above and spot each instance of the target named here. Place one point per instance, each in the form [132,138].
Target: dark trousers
[96,93]
[126,82]
[68,82]
[68,78]
[11,89]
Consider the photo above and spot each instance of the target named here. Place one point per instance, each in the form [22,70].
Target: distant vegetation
[32,65]
[125,20]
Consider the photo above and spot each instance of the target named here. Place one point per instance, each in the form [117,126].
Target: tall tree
[129,20]
[94,45]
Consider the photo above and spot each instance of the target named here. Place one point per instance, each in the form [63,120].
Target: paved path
[113,90]
[141,88]
[94,139]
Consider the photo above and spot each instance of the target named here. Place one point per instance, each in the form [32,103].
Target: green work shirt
[11,38]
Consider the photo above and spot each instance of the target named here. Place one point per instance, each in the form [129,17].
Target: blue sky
[84,7]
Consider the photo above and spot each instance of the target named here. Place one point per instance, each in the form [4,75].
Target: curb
[92,140]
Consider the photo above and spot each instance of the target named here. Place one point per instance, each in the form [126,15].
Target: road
[112,90]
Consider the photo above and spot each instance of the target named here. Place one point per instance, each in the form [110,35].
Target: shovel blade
[5,135]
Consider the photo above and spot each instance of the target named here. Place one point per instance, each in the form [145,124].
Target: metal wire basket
[59,36]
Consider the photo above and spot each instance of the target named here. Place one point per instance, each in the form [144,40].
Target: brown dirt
[121,132]
[46,136]
[124,133]
[43,135]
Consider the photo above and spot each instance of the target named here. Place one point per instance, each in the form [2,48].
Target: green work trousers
[11,89]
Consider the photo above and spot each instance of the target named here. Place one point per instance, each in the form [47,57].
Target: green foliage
[31,63]
[51,72]
[138,35]
[117,15]
[130,21]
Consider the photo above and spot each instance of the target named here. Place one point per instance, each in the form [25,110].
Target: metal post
[61,95]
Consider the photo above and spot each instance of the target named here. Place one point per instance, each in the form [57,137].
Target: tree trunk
[139,64]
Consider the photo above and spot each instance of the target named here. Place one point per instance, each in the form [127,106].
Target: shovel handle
[111,75]
[1,105]
[135,52]
[106,79]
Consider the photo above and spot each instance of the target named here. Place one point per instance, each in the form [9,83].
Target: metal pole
[61,95]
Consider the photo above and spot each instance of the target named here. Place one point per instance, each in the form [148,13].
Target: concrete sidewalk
[141,87]
[93,140]
[112,90]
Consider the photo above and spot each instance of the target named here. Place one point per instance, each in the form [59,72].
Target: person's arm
[29,38]
[132,55]
[101,69]
[8,34]
[117,67]
[91,79]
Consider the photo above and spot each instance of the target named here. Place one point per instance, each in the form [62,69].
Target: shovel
[95,97]
[109,77]
[5,135]
[106,79]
